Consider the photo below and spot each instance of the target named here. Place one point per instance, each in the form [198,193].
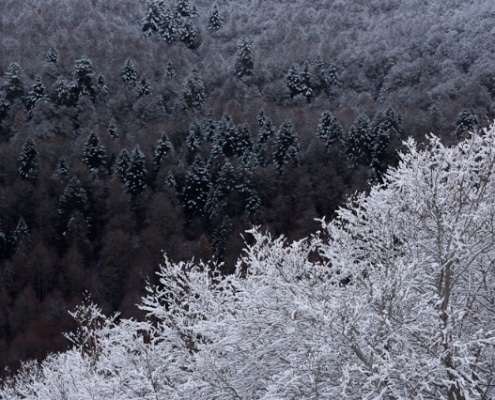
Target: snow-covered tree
[190,35]
[287,147]
[359,142]
[465,122]
[293,81]
[84,78]
[122,165]
[196,187]
[135,175]
[306,86]
[143,88]
[329,131]
[244,62]
[152,20]
[193,92]
[129,73]
[12,84]
[162,148]
[36,94]
[28,162]
[215,20]
[94,154]
[168,27]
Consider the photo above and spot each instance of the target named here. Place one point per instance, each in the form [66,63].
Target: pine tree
[220,236]
[265,137]
[287,147]
[195,138]
[196,187]
[293,81]
[168,27]
[52,56]
[306,87]
[112,130]
[184,8]
[465,121]
[243,142]
[129,74]
[224,141]
[162,148]
[84,74]
[193,93]
[12,83]
[359,142]
[151,21]
[122,165]
[244,63]
[62,169]
[94,154]
[143,88]
[74,198]
[136,173]
[190,35]
[36,94]
[66,93]
[329,131]
[215,20]
[28,163]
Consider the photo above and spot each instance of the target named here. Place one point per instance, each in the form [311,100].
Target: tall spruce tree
[244,63]
[329,131]
[287,147]
[129,73]
[196,187]
[359,143]
[193,92]
[36,94]
[152,19]
[122,165]
[84,78]
[293,81]
[136,173]
[28,163]
[12,84]
[215,20]
[94,154]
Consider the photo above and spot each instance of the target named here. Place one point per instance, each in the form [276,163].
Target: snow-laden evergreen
[393,299]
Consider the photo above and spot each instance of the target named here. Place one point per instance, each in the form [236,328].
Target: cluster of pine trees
[180,129]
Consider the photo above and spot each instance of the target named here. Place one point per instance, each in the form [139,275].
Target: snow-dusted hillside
[391,300]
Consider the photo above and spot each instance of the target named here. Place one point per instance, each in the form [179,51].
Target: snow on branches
[393,299]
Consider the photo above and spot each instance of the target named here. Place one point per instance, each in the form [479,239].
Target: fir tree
[94,154]
[244,63]
[220,236]
[136,173]
[225,138]
[190,36]
[12,85]
[306,87]
[287,147]
[293,81]
[74,198]
[143,88]
[193,93]
[265,137]
[52,56]
[215,20]
[465,121]
[243,142]
[65,93]
[129,74]
[151,21]
[359,142]
[194,140]
[36,94]
[196,187]
[28,161]
[162,147]
[168,27]
[84,78]
[62,169]
[329,131]
[122,165]
[184,8]
[113,130]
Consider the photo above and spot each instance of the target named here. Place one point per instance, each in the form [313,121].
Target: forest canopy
[392,299]
[129,128]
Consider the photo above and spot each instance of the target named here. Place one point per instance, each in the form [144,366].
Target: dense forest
[131,128]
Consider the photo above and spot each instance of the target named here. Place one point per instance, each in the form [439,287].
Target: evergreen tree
[85,81]
[225,139]
[168,27]
[143,88]
[62,169]
[74,198]
[219,239]
[170,70]
[327,76]
[215,20]
[287,147]
[52,55]
[94,154]
[136,173]
[306,87]
[113,130]
[293,81]
[359,142]
[162,147]
[243,142]
[65,93]
[102,88]
[193,93]
[185,8]
[465,121]
[151,21]
[244,63]
[329,131]
[196,187]
[190,35]
[265,137]
[28,163]
[129,74]
[122,165]
[194,140]
[36,94]
[12,83]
